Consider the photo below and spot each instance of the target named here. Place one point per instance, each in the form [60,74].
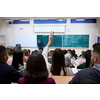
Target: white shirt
[45,55]
[68,57]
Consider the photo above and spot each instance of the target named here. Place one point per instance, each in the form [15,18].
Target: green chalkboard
[78,41]
[57,41]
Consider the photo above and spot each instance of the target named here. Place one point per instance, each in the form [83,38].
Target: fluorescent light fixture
[60,19]
[24,20]
[80,19]
[42,19]
[7,20]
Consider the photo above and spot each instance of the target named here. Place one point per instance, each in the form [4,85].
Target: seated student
[74,54]
[67,60]
[36,71]
[74,61]
[65,51]
[58,64]
[10,51]
[26,55]
[90,75]
[29,51]
[46,49]
[45,54]
[18,60]
[88,59]
[8,73]
[35,51]
[68,55]
[82,59]
[50,53]
[18,47]
[26,52]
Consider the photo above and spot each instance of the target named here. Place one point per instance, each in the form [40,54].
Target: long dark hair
[36,69]
[17,59]
[58,62]
[64,51]
[88,58]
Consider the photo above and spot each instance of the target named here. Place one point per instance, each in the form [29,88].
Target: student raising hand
[50,39]
[46,49]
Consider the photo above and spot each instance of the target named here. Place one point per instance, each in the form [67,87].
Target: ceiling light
[60,19]
[80,19]
[24,20]
[7,20]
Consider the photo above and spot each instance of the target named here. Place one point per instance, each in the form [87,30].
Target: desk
[13,83]
[59,79]
[62,79]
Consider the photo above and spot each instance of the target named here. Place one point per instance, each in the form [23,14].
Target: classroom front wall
[3,26]
[76,28]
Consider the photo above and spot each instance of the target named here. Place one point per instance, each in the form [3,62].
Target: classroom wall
[2,32]
[93,29]
[90,29]
[2,27]
[98,27]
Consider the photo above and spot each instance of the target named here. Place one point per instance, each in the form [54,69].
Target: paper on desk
[74,70]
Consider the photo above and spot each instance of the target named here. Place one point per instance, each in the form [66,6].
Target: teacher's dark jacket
[8,74]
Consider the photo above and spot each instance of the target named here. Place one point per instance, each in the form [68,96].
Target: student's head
[73,52]
[64,51]
[88,57]
[26,52]
[29,51]
[83,53]
[36,69]
[70,51]
[50,53]
[35,51]
[40,51]
[95,58]
[10,50]
[3,54]
[58,62]
[17,59]
[39,41]
[18,47]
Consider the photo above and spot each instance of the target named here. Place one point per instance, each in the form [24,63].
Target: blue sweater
[87,76]
[40,46]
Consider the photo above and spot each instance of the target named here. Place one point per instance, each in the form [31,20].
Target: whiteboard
[49,28]
[2,40]
[26,40]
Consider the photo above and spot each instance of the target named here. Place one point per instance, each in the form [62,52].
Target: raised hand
[50,39]
[51,36]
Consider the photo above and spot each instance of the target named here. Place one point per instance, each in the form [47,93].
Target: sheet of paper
[74,70]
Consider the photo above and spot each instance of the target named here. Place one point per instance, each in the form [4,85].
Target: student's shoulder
[7,66]
[21,80]
[85,71]
[51,80]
